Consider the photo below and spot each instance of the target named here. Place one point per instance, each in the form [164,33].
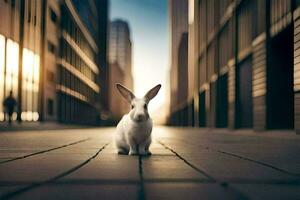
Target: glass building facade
[78,87]
[20,34]
[49,60]
[9,81]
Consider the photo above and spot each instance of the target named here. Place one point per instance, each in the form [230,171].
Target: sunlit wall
[11,67]
[9,52]
[2,54]
[30,85]
[9,81]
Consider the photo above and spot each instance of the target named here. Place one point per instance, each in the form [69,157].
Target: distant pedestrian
[9,105]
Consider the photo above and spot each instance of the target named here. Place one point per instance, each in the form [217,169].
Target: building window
[12,67]
[51,47]
[29,12]
[50,107]
[13,3]
[30,85]
[50,76]
[34,20]
[53,16]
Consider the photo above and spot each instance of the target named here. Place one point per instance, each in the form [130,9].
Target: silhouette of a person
[9,105]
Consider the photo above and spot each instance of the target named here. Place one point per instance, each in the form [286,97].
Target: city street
[186,164]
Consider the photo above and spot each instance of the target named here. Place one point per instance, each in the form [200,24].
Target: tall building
[120,70]
[117,105]
[78,85]
[50,40]
[94,15]
[178,23]
[120,49]
[244,59]
[49,59]
[193,48]
[102,7]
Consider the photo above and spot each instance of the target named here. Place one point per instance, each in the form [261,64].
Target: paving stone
[188,191]
[168,167]
[91,192]
[270,191]
[8,189]
[29,171]
[40,167]
[108,167]
[224,167]
[166,176]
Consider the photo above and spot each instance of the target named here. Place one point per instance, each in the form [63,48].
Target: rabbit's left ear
[152,93]
[125,92]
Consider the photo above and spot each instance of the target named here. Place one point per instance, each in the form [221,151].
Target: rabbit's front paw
[143,153]
[133,153]
[122,151]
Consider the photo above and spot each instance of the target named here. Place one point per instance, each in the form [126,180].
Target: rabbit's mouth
[139,120]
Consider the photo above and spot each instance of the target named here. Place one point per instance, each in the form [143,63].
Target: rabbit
[133,132]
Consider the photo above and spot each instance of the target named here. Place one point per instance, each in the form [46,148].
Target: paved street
[186,164]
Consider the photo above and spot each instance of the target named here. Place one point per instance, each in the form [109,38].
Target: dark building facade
[243,63]
[103,47]
[78,84]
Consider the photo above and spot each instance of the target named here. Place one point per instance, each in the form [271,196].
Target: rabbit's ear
[126,93]
[152,93]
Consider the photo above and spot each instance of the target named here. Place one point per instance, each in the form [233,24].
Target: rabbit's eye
[145,106]
[132,106]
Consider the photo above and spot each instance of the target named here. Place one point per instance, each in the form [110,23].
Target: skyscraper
[50,40]
[178,22]
[120,49]
[78,86]
[120,65]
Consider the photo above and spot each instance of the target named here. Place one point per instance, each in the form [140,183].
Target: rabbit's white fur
[133,134]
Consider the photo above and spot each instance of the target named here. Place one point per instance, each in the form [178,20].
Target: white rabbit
[133,133]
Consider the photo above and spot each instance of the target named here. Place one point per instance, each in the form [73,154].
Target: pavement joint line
[255,161]
[223,184]
[39,184]
[155,180]
[141,194]
[187,162]
[44,151]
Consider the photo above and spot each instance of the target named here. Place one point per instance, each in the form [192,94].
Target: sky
[148,22]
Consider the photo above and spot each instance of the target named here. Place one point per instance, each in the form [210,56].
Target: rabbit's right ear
[126,93]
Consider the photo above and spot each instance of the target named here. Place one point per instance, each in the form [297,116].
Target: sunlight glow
[31,65]
[30,73]
[1,116]
[23,116]
[14,116]
[35,116]
[12,67]
[148,22]
[191,11]
[2,56]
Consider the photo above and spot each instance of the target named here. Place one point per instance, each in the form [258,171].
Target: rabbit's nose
[140,117]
